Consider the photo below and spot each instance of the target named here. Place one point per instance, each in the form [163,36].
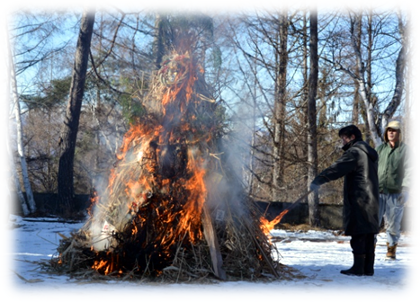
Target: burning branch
[173,208]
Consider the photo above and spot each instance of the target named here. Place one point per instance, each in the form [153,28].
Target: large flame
[145,172]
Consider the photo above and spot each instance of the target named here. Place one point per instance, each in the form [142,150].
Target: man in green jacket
[393,173]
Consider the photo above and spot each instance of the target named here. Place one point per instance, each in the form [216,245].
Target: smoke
[227,189]
[100,237]
[101,228]
[181,135]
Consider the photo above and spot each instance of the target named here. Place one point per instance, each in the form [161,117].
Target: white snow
[318,255]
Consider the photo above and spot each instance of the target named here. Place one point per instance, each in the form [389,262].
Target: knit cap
[393,125]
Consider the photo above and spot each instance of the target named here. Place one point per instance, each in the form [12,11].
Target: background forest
[287,80]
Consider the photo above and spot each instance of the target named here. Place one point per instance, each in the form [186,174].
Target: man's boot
[369,262]
[391,251]
[358,268]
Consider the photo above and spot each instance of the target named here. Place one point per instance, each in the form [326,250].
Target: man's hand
[313,187]
[402,199]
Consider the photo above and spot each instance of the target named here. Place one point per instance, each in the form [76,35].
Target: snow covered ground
[318,255]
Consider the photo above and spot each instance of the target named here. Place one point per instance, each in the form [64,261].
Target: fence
[330,214]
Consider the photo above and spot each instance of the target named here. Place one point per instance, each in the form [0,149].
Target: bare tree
[71,122]
[377,122]
[313,201]
[31,206]
[356,102]
[280,148]
[6,131]
[400,66]
[158,43]
[305,93]
[280,106]
[410,97]
[408,104]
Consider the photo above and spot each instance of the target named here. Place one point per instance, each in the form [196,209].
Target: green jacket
[393,169]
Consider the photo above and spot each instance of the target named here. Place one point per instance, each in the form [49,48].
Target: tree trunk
[362,77]
[7,128]
[373,99]
[356,101]
[313,201]
[407,111]
[19,192]
[71,121]
[304,120]
[370,46]
[26,183]
[158,43]
[280,110]
[399,80]
[364,88]
[362,83]
[253,138]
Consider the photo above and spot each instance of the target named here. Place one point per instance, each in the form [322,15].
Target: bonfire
[173,208]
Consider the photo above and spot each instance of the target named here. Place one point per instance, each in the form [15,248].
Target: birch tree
[408,96]
[71,121]
[400,67]
[6,133]
[377,121]
[31,206]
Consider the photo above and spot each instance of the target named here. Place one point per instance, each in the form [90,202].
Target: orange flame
[267,226]
[106,266]
[185,223]
[94,200]
[193,209]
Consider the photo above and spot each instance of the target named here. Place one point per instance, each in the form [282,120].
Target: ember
[173,207]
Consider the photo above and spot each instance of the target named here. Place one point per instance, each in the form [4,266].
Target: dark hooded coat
[358,165]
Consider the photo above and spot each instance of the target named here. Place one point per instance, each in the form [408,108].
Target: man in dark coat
[358,165]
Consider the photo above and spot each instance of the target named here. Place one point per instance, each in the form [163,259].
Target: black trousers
[363,244]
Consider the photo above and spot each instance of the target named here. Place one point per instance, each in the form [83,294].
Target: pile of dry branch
[173,209]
